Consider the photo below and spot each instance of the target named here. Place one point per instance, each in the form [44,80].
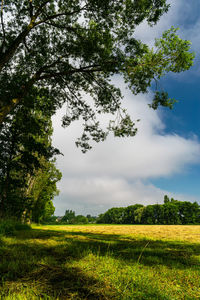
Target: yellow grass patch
[189,233]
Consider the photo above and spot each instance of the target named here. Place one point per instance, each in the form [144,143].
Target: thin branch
[58,26]
[2,23]
[5,110]
[31,8]
[5,58]
[89,69]
[46,67]
[41,7]
[26,46]
[59,15]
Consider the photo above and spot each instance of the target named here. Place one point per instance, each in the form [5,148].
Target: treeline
[28,174]
[171,212]
[70,217]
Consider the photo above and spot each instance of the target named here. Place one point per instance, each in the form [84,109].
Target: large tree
[74,47]
[27,171]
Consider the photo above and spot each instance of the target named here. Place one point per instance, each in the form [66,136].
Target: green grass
[101,262]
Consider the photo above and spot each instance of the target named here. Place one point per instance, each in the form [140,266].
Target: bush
[9,227]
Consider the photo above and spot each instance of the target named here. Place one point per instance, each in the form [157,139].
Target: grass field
[101,262]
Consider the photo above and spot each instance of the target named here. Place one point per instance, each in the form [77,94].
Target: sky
[163,158]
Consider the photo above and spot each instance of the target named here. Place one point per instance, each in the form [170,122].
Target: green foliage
[79,219]
[44,190]
[114,215]
[71,218]
[9,227]
[27,172]
[129,215]
[171,212]
[72,48]
[91,219]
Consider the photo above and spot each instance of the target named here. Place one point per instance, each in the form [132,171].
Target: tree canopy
[72,48]
[171,212]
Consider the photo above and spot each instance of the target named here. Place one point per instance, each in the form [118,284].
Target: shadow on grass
[174,254]
[31,258]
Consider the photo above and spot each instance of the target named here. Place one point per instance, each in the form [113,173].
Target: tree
[166,199]
[129,215]
[26,156]
[81,220]
[189,213]
[73,47]
[69,216]
[114,215]
[43,191]
[91,219]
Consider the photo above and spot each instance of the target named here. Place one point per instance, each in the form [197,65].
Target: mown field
[101,262]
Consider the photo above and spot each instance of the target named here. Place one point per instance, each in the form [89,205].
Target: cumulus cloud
[118,172]
[114,173]
[148,34]
[151,153]
[182,14]
[95,195]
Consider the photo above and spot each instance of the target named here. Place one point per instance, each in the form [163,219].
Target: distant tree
[129,214]
[69,217]
[79,219]
[114,215]
[138,215]
[91,219]
[171,212]
[189,213]
[166,199]
[148,215]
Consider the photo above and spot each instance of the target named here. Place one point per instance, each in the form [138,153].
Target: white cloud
[117,172]
[151,153]
[114,172]
[96,195]
[183,14]
[148,34]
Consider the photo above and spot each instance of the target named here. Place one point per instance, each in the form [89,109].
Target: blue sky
[184,120]
[164,157]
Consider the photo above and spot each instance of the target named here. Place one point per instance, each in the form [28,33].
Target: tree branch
[59,26]
[89,69]
[31,8]
[41,7]
[5,58]
[6,109]
[2,23]
[60,15]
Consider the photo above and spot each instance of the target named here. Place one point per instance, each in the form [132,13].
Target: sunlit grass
[101,262]
[189,233]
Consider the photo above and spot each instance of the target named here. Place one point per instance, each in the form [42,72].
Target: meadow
[101,262]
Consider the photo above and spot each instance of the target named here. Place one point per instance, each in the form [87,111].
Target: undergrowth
[9,227]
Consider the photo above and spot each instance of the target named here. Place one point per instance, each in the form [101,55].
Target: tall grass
[101,262]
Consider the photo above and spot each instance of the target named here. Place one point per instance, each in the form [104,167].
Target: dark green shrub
[9,227]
